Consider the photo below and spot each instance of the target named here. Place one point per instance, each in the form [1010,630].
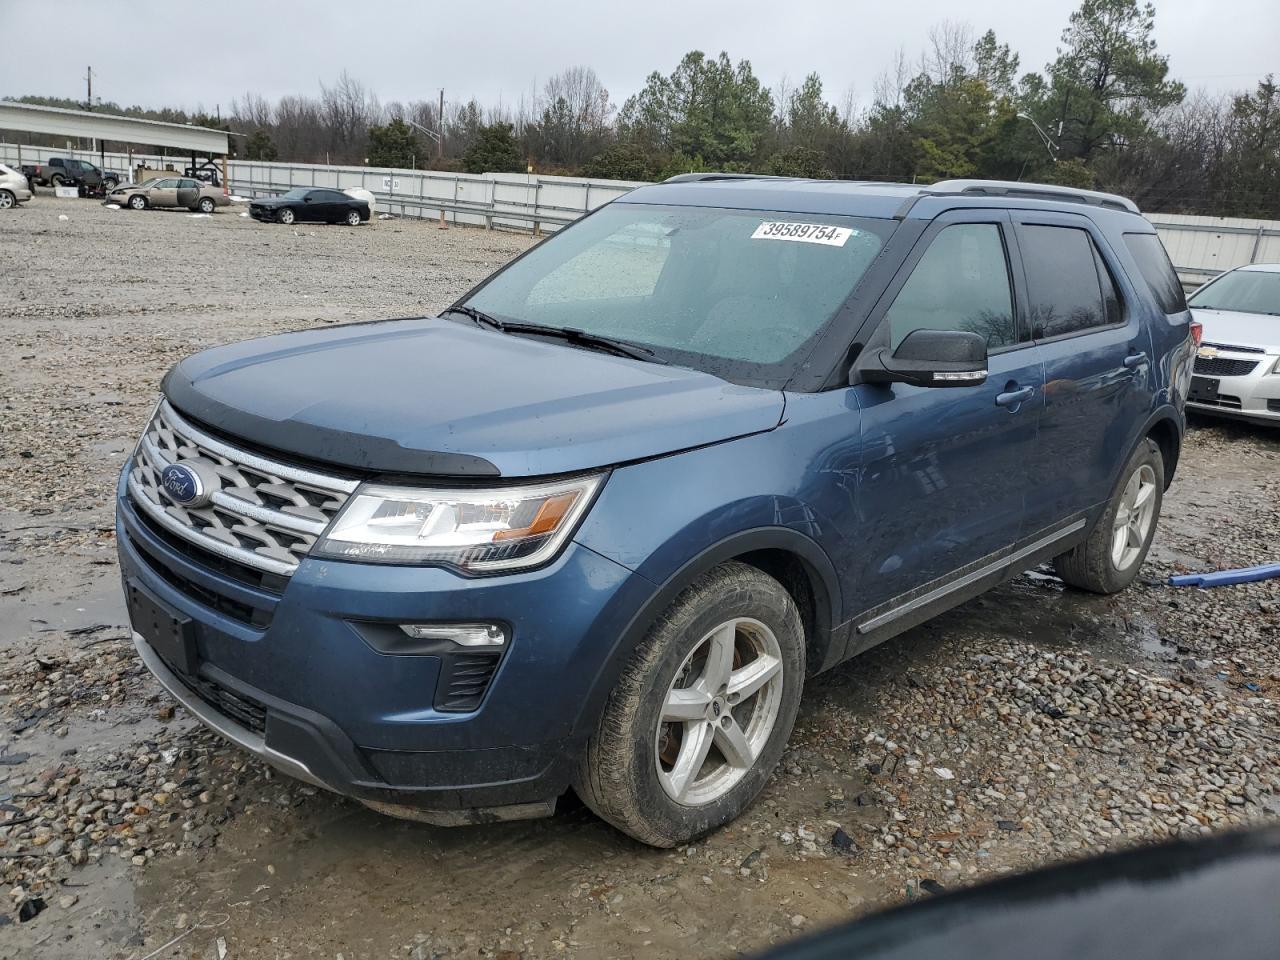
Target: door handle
[1012,398]
[1135,360]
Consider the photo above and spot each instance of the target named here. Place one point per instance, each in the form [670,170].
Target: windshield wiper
[571,335]
[581,338]
[480,318]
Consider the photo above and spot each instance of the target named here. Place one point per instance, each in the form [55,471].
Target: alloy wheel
[719,711]
[1134,517]
[6,200]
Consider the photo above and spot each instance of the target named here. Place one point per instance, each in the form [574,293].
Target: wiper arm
[480,318]
[621,348]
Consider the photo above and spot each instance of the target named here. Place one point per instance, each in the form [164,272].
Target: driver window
[961,283]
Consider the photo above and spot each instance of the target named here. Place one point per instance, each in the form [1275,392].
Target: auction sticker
[803,233]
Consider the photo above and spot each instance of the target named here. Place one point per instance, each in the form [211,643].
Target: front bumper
[1254,396]
[287,671]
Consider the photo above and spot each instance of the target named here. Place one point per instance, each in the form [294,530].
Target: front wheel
[286,216]
[137,202]
[702,713]
[7,200]
[108,185]
[206,205]
[353,218]
[1109,559]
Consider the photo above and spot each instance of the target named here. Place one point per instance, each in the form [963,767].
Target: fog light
[463,634]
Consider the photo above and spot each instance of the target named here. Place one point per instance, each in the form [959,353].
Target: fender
[1166,412]
[825,647]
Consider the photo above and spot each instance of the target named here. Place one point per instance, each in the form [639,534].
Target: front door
[164,193]
[944,473]
[1086,320]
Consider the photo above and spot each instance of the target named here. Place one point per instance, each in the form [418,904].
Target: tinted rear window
[1063,281]
[1156,269]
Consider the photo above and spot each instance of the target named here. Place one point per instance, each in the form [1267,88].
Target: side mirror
[929,358]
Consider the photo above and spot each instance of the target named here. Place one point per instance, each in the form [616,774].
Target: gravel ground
[1031,725]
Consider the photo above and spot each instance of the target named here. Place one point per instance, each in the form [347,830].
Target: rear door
[1088,323]
[944,474]
[188,192]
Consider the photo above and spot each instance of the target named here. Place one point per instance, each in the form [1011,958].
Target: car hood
[429,396]
[1241,329]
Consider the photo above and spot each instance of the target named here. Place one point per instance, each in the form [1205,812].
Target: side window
[1153,264]
[1068,284]
[189,185]
[961,283]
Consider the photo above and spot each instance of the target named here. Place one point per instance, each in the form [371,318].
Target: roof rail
[702,177]
[1033,191]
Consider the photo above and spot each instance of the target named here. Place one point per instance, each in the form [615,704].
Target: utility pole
[440,122]
[88,79]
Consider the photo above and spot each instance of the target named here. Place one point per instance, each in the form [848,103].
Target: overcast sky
[175,54]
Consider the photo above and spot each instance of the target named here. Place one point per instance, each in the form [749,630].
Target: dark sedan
[310,205]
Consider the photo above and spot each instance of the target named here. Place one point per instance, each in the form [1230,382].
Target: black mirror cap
[930,358]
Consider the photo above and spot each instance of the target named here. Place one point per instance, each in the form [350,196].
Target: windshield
[742,294]
[1245,291]
[297,193]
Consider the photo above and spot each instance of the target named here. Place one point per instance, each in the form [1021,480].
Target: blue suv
[595,525]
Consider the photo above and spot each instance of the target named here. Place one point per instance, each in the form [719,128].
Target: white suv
[13,188]
[1237,371]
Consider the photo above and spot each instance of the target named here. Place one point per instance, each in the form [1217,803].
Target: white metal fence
[1200,247]
[508,200]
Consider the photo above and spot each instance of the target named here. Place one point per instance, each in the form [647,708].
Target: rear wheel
[137,202]
[1110,558]
[206,205]
[286,216]
[7,200]
[702,713]
[353,218]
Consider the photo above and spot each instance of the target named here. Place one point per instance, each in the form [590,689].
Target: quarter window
[1153,264]
[961,283]
[1068,285]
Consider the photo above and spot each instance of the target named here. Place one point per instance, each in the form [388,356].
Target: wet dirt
[294,872]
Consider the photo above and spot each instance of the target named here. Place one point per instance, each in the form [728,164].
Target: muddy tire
[702,712]
[1110,558]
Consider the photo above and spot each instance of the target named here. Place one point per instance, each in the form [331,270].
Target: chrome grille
[265,514]
[1233,347]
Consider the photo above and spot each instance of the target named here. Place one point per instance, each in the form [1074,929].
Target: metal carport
[30,118]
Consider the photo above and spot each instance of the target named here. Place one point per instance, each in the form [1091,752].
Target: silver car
[1237,370]
[13,188]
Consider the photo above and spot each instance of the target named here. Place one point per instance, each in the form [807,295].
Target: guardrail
[490,213]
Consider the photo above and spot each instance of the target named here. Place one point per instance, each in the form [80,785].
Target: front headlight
[507,528]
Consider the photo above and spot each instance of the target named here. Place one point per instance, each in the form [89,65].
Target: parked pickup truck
[64,170]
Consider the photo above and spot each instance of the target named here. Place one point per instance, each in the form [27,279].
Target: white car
[1237,370]
[13,188]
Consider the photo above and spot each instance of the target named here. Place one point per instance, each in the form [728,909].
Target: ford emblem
[183,484]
